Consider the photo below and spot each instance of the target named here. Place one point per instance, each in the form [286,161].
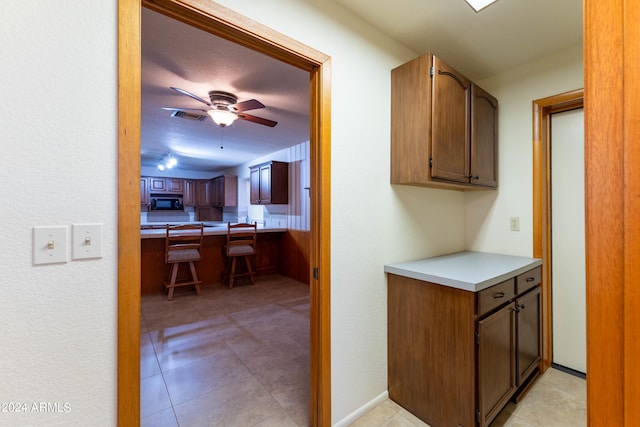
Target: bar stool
[241,242]
[183,244]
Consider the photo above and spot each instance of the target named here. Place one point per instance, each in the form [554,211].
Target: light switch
[515,223]
[87,241]
[49,244]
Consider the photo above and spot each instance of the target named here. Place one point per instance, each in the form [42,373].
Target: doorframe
[220,21]
[542,111]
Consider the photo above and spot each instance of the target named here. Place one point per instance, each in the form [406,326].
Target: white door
[567,240]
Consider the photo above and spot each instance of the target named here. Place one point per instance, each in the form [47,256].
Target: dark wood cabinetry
[224,191]
[443,128]
[166,185]
[189,195]
[144,191]
[269,183]
[457,357]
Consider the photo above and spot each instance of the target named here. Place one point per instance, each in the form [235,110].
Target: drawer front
[495,296]
[528,280]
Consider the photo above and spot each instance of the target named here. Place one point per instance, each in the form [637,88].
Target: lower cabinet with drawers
[457,357]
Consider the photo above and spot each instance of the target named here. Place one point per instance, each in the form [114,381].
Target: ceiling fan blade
[251,104]
[182,108]
[190,95]
[258,120]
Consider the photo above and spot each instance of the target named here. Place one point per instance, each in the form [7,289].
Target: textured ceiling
[504,35]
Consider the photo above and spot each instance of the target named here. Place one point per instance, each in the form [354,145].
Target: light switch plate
[87,241]
[514,222]
[50,244]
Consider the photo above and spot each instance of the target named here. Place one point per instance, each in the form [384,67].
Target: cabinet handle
[521,306]
[529,279]
[498,295]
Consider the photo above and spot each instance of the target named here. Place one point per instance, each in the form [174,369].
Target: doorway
[542,113]
[236,28]
[568,269]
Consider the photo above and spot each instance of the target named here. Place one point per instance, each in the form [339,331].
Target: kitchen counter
[157,230]
[470,271]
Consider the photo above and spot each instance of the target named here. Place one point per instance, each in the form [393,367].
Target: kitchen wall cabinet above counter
[269,183]
[444,128]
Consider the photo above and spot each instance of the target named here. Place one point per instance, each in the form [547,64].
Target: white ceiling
[504,35]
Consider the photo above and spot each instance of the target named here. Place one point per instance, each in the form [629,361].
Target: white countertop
[211,229]
[470,271]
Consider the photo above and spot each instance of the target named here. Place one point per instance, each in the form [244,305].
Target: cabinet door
[529,333]
[254,186]
[484,138]
[144,193]
[157,185]
[174,185]
[217,191]
[496,362]
[265,184]
[202,193]
[450,124]
[189,193]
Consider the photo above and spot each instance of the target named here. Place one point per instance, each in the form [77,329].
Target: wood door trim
[223,22]
[542,110]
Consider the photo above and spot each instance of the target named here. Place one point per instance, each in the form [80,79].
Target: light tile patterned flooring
[230,357]
[240,357]
[556,399]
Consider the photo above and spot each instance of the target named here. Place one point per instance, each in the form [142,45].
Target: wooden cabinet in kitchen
[202,194]
[224,191]
[144,191]
[456,357]
[269,183]
[189,195]
[443,128]
[166,185]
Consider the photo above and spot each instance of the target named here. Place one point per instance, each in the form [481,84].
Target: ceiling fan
[225,108]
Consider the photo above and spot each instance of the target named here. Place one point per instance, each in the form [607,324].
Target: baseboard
[362,410]
[569,371]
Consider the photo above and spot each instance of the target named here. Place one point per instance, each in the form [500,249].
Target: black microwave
[166,203]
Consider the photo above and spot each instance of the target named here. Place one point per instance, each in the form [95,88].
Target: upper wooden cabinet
[166,185]
[144,191]
[443,128]
[202,194]
[189,195]
[224,191]
[269,183]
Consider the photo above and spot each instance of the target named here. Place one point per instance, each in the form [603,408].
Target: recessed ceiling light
[478,5]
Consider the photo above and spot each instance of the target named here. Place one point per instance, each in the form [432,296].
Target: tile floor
[230,357]
[240,357]
[557,399]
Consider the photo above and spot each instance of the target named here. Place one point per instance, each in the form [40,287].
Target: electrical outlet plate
[514,222]
[50,244]
[87,241]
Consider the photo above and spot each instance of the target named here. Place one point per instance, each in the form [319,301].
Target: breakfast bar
[210,268]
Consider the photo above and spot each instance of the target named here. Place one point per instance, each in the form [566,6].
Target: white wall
[487,213]
[59,132]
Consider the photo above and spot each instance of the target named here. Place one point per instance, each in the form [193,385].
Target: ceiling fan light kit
[478,5]
[222,117]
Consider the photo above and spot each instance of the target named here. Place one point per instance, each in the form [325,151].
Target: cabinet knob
[521,306]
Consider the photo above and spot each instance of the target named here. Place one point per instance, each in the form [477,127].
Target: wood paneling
[294,260]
